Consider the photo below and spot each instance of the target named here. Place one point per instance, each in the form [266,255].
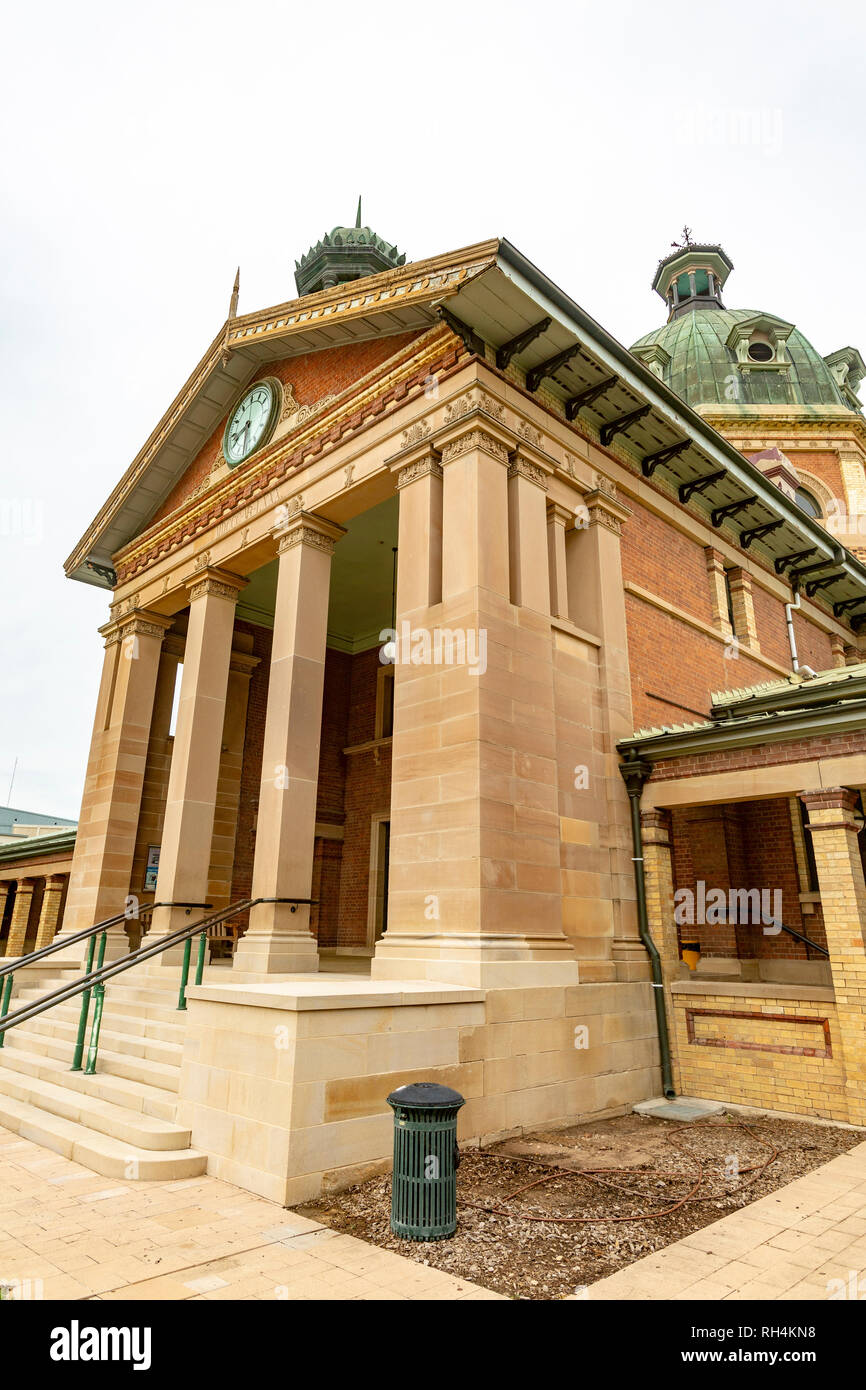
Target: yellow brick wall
[732,1059]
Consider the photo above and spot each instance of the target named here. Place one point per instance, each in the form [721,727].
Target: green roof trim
[33,846]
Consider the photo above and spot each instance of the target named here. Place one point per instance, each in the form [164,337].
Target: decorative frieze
[415,434]
[476,399]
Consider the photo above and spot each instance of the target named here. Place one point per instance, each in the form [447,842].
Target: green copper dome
[344,254]
[711,355]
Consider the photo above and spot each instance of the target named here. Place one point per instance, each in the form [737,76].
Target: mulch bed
[673,1177]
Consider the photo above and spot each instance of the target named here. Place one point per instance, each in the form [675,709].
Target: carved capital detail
[521,467]
[419,468]
[138,622]
[605,510]
[305,528]
[475,439]
[216,584]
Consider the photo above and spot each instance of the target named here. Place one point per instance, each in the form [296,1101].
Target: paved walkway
[804,1241]
[67,1233]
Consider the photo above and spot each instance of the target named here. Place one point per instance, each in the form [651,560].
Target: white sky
[148,149]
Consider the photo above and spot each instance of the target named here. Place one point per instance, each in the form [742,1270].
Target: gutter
[635,773]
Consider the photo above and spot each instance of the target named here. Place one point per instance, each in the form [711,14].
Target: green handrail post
[184,973]
[4,1006]
[199,965]
[85,1009]
[98,996]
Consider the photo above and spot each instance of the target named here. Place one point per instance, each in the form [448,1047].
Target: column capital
[409,465]
[482,435]
[656,827]
[559,514]
[215,582]
[523,466]
[835,806]
[243,663]
[310,529]
[605,509]
[138,622]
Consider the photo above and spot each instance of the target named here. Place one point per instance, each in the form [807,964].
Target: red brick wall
[670,659]
[368,792]
[351,789]
[743,845]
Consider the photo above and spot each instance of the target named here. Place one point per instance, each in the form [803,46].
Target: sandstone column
[187,832]
[558,519]
[279,940]
[49,914]
[843,901]
[105,841]
[474,894]
[596,602]
[527,532]
[418,475]
[20,917]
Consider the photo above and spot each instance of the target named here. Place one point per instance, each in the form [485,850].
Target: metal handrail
[61,942]
[798,936]
[775,922]
[93,981]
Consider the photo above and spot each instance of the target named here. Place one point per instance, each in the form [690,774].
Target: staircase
[121,1120]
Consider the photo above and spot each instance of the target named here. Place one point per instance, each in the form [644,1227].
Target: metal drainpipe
[634,773]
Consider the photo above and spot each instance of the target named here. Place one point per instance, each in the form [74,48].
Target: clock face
[251,422]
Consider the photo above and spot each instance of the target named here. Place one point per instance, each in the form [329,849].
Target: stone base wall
[285,1085]
[775,1047]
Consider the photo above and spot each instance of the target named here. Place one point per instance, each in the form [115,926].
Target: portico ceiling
[360,600]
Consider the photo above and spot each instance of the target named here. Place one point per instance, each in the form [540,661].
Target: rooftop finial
[686,242]
[236,289]
[358,218]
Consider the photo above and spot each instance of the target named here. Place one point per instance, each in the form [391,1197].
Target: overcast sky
[148,149]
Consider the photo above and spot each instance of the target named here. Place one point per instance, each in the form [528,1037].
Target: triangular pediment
[375,309]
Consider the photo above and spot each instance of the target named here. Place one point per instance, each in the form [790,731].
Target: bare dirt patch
[646,1183]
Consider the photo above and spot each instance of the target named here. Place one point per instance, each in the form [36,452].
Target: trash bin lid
[426,1095]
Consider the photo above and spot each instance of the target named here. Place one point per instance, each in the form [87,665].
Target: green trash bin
[424,1180]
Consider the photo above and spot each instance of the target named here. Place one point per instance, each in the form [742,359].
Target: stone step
[134,1068]
[120,1016]
[153,1050]
[101,1152]
[137,1096]
[129,1126]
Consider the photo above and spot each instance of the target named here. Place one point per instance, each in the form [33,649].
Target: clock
[252,420]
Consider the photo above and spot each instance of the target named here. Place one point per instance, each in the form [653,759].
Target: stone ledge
[335,993]
[752,989]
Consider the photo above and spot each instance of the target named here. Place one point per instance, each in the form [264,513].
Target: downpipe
[790,609]
[634,773]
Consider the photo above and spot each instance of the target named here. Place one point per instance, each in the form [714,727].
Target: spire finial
[236,289]
[358,218]
[686,242]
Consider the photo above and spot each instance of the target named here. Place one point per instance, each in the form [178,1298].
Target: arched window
[807,503]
